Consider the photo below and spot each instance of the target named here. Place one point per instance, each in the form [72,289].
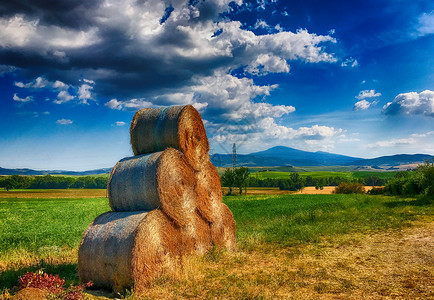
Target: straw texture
[122,249]
[223,229]
[179,127]
[208,192]
[196,236]
[158,180]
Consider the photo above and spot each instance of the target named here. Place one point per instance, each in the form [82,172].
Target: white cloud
[426,24]
[363,104]
[349,62]
[367,94]
[261,24]
[393,143]
[413,143]
[120,123]
[130,105]
[26,99]
[63,97]
[64,122]
[84,93]
[17,31]
[412,103]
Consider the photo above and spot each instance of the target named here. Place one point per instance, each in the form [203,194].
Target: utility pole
[234,156]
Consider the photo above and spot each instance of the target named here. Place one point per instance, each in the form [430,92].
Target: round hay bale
[223,229]
[179,127]
[159,180]
[196,236]
[208,192]
[124,249]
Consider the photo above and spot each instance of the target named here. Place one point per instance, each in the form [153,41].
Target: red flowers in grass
[52,284]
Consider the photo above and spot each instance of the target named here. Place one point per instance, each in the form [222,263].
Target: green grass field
[44,229]
[318,174]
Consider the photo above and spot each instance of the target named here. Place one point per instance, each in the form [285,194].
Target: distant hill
[281,156]
[4,171]
[273,157]
[394,160]
[284,156]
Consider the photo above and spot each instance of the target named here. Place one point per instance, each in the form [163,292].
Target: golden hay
[124,249]
[223,229]
[208,192]
[196,236]
[158,180]
[179,127]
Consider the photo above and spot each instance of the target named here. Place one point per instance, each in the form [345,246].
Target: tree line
[411,183]
[53,182]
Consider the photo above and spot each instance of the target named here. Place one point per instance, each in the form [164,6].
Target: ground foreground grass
[289,246]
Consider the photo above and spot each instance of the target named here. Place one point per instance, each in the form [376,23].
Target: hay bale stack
[208,192]
[179,127]
[121,249]
[223,229]
[162,179]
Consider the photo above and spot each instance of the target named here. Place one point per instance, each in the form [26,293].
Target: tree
[228,179]
[241,177]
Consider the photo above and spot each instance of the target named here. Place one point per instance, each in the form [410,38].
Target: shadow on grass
[421,201]
[9,278]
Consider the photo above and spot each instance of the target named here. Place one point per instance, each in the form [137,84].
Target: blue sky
[347,77]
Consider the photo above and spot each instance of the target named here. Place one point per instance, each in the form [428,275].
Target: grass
[318,174]
[289,220]
[281,241]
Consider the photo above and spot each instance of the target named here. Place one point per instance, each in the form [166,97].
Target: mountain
[283,156]
[4,171]
[273,157]
[394,160]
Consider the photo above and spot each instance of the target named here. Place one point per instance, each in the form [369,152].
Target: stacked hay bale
[166,202]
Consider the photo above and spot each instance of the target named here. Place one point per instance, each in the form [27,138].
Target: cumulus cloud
[412,103]
[155,53]
[63,97]
[363,104]
[368,94]
[145,55]
[26,99]
[120,123]
[64,122]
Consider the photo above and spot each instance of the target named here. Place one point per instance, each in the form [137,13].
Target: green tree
[241,177]
[228,179]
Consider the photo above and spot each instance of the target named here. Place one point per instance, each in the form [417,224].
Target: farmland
[350,175]
[288,245]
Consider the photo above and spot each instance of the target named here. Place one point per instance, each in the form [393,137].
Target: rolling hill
[273,157]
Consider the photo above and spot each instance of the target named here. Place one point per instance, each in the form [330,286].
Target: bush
[376,191]
[349,188]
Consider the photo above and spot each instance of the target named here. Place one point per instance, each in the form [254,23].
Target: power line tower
[234,156]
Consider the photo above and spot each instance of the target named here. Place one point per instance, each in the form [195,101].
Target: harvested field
[54,193]
[327,190]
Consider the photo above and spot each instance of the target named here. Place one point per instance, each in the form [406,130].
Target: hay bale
[208,192]
[196,236]
[223,229]
[124,249]
[179,127]
[159,180]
